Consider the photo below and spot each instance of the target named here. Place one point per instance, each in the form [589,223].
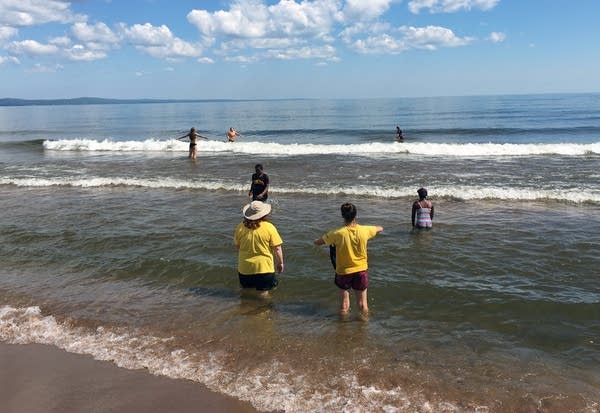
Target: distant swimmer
[232,135]
[259,188]
[192,135]
[422,211]
[399,137]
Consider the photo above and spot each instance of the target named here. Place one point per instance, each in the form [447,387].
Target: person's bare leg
[361,301]
[344,302]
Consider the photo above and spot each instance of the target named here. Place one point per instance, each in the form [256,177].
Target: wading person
[259,187]
[422,211]
[259,248]
[232,135]
[192,135]
[351,264]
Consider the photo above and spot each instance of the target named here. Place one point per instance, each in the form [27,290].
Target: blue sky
[253,49]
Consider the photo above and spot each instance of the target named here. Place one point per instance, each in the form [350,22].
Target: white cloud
[7,32]
[305,29]
[76,52]
[267,43]
[80,52]
[382,44]
[450,6]
[41,68]
[254,19]
[98,33]
[32,48]
[289,29]
[9,59]
[248,30]
[32,12]
[497,37]
[432,37]
[426,38]
[147,34]
[325,52]
[62,41]
[366,9]
[159,41]
[174,50]
[361,28]
[241,59]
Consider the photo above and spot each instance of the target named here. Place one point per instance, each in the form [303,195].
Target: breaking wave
[454,191]
[297,149]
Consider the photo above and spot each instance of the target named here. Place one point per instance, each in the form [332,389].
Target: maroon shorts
[357,281]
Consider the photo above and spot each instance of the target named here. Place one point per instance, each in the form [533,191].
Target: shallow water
[114,244]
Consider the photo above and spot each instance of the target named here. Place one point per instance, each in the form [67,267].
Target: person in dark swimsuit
[399,137]
[192,135]
[259,188]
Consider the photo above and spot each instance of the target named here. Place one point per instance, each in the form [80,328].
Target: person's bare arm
[414,213]
[278,252]
[319,241]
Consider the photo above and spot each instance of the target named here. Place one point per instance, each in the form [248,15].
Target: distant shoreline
[111,101]
[103,101]
[96,101]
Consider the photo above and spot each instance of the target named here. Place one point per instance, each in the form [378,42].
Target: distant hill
[93,101]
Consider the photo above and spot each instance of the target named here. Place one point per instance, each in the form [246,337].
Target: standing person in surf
[232,135]
[351,264]
[259,187]
[259,249]
[192,135]
[422,211]
[399,136]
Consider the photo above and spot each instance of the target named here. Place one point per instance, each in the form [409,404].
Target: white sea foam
[294,149]
[268,386]
[575,195]
[96,182]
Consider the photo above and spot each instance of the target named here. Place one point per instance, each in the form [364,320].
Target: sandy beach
[38,378]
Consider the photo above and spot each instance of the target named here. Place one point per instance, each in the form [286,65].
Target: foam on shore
[267,386]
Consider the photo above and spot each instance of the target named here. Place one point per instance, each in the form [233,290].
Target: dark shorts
[357,281]
[262,282]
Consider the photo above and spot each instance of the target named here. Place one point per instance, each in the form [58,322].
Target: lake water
[114,244]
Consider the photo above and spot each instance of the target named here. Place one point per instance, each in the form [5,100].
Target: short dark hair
[348,212]
[258,166]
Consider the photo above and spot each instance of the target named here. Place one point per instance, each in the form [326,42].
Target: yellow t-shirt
[255,254]
[350,247]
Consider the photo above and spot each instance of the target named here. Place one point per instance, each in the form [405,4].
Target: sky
[273,49]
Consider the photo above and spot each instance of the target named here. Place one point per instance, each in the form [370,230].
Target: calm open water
[114,244]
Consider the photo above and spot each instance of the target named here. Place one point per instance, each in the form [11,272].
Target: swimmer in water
[192,135]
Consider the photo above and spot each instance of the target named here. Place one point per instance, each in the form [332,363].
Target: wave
[35,144]
[297,149]
[460,192]
[269,386]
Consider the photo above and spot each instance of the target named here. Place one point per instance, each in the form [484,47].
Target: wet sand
[38,378]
